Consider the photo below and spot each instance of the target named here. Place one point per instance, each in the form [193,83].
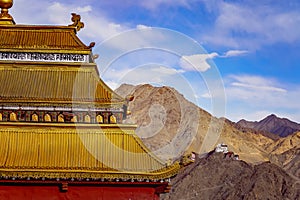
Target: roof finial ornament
[6,18]
[77,23]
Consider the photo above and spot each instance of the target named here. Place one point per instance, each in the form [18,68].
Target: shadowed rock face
[215,177]
[273,124]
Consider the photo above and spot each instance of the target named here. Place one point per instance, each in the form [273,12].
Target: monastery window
[47,118]
[61,118]
[12,117]
[1,117]
[34,117]
[87,119]
[99,119]
[113,119]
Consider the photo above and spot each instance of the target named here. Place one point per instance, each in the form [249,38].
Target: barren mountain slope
[285,144]
[170,125]
[215,177]
[286,154]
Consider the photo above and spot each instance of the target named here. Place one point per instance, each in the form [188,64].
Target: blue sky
[252,47]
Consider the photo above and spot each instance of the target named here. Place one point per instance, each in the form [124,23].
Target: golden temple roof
[40,38]
[38,65]
[77,152]
[53,83]
[47,67]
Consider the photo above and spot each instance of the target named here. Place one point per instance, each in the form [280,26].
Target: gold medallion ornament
[6,18]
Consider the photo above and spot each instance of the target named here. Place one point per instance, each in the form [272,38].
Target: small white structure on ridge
[223,148]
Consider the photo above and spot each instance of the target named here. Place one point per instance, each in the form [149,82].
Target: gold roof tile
[102,152]
[22,37]
[54,84]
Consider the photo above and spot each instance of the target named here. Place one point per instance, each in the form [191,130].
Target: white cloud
[233,53]
[258,87]
[84,9]
[254,84]
[254,97]
[197,62]
[141,26]
[97,27]
[166,70]
[154,4]
[252,25]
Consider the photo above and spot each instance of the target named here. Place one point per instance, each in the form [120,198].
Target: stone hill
[216,177]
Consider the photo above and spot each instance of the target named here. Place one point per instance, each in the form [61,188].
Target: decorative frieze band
[74,109]
[45,57]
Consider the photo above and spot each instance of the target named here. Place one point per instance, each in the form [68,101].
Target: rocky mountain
[273,124]
[216,177]
[171,126]
[286,154]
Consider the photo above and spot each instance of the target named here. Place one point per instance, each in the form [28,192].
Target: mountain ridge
[171,126]
[281,127]
[163,114]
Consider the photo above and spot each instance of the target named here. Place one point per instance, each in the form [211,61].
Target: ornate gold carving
[13,117]
[47,118]
[99,119]
[113,119]
[77,23]
[6,18]
[43,57]
[87,119]
[34,118]
[6,4]
[74,119]
[60,118]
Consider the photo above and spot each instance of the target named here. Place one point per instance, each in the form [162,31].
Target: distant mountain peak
[273,124]
[272,116]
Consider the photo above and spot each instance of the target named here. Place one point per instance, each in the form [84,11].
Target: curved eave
[164,173]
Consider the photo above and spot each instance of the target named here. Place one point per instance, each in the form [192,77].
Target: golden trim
[27,50]
[167,173]
[64,125]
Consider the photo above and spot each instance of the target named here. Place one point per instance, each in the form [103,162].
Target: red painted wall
[35,192]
